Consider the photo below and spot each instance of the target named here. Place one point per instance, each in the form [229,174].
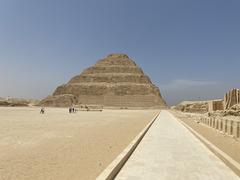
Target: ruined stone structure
[115,81]
[229,106]
[231,98]
[193,106]
[215,105]
[233,111]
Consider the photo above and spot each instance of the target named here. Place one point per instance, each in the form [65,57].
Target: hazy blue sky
[189,48]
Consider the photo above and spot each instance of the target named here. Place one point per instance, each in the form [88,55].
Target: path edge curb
[116,165]
[235,166]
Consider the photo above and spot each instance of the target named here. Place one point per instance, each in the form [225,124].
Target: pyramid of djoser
[115,81]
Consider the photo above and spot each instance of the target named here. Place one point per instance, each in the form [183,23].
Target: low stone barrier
[115,166]
[221,124]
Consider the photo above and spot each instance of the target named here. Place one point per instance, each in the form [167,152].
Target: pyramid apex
[117,55]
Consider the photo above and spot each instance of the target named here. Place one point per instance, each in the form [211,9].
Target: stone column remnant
[231,98]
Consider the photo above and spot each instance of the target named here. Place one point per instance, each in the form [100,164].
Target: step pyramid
[115,81]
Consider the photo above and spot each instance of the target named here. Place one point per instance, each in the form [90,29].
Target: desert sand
[59,145]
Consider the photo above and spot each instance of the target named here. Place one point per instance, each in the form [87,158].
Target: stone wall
[222,124]
[215,105]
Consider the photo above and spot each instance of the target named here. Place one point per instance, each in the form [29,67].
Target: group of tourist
[72,110]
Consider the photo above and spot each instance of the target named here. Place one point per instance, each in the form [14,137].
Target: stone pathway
[170,152]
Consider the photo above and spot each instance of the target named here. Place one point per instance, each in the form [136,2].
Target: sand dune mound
[18,102]
[115,81]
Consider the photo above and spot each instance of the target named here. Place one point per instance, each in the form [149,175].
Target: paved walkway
[170,152]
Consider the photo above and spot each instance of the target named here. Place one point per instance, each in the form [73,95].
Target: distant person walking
[70,110]
[73,109]
[42,110]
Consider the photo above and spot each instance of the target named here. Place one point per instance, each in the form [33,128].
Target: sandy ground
[227,144]
[63,146]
